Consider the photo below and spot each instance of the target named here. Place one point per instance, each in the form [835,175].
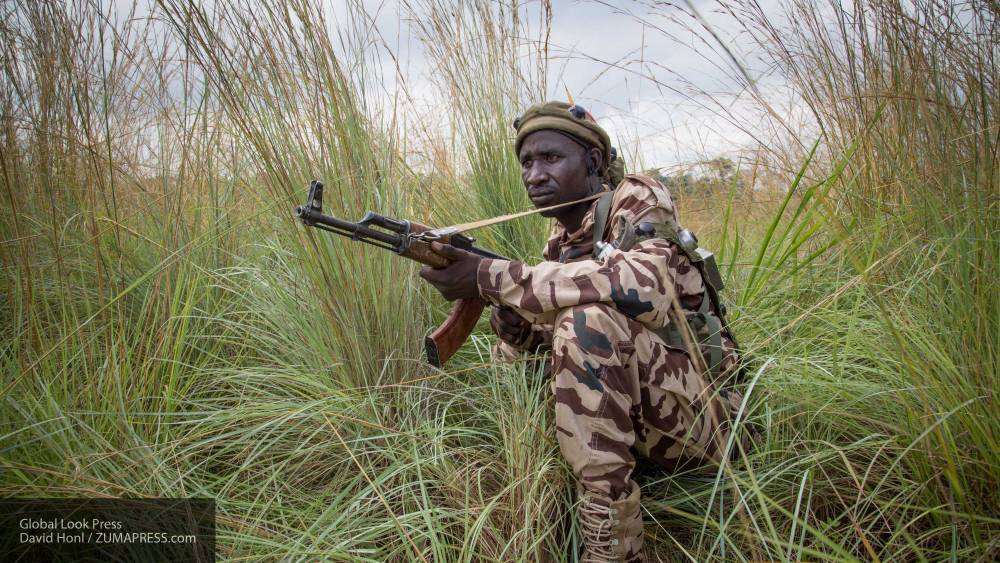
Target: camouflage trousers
[620,390]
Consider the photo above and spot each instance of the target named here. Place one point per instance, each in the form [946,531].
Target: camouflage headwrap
[566,118]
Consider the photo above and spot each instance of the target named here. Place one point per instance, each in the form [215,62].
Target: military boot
[612,530]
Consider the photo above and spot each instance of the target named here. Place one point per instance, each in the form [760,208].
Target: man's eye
[551,158]
[525,163]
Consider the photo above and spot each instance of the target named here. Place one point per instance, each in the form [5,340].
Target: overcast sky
[652,98]
[648,71]
[669,65]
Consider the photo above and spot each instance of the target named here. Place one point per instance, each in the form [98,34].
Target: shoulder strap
[601,217]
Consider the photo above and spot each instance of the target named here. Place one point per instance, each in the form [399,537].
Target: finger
[509,338]
[430,274]
[499,327]
[449,251]
[514,331]
[510,317]
[509,330]
[495,320]
[515,339]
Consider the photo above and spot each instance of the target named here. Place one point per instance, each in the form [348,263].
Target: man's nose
[535,175]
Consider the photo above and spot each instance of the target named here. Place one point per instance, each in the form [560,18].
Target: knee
[592,347]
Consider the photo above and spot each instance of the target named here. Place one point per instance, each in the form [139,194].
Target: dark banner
[107,530]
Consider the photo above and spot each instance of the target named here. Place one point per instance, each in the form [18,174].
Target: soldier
[621,302]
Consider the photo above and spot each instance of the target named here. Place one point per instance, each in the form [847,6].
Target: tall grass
[886,348]
[493,64]
[169,330]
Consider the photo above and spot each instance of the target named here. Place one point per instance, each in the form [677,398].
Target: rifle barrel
[361,232]
[346,228]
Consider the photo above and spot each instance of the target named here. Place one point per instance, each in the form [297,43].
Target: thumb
[449,251]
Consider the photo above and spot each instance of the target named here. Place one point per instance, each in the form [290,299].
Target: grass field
[168,329]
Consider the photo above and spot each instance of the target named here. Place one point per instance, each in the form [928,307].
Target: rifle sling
[465,227]
[601,217]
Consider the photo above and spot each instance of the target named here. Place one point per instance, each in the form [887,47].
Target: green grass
[168,329]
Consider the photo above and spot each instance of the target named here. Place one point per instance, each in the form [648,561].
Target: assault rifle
[410,240]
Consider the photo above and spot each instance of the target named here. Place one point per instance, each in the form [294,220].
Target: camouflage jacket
[636,281]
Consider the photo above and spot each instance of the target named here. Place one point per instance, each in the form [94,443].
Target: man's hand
[510,327]
[458,279]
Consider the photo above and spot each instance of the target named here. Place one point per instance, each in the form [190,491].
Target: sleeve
[637,282]
[640,282]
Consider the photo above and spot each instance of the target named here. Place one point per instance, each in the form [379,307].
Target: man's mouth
[541,198]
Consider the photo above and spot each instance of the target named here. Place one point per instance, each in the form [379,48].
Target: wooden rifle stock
[442,344]
[447,338]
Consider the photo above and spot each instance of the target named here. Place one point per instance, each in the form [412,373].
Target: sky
[664,98]
[648,71]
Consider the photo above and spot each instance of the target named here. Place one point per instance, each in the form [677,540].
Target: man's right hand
[510,327]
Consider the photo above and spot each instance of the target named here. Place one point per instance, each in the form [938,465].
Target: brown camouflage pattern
[619,388]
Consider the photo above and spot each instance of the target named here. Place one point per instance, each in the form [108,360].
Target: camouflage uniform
[619,387]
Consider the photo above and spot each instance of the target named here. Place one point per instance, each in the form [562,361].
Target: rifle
[410,240]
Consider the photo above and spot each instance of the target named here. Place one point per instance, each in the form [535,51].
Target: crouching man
[619,279]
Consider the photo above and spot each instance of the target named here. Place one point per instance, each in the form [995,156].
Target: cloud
[651,73]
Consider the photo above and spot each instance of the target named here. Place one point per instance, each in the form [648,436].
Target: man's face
[554,170]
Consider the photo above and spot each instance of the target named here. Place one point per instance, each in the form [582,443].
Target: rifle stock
[447,338]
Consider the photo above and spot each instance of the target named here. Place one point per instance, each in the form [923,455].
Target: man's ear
[595,157]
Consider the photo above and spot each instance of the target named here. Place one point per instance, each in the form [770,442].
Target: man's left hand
[458,279]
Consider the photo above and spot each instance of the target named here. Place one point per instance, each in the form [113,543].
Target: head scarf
[573,120]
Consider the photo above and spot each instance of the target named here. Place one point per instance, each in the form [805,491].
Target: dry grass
[169,330]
